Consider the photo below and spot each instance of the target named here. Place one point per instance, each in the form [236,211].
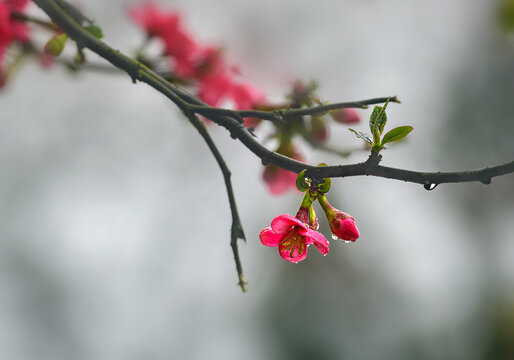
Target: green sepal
[396,134]
[95,31]
[325,187]
[55,45]
[362,136]
[301,181]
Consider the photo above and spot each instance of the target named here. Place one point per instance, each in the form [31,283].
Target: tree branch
[231,120]
[236,229]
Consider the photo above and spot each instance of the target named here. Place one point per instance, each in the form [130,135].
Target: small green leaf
[55,45]
[377,121]
[362,136]
[396,134]
[95,31]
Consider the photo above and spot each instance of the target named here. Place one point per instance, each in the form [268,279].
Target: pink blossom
[168,28]
[215,88]
[6,35]
[292,237]
[345,116]
[10,30]
[209,62]
[151,19]
[17,5]
[342,224]
[246,96]
[280,180]
[204,65]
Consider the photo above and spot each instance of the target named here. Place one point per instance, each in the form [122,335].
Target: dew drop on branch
[430,186]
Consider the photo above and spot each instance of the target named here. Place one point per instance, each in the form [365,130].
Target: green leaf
[55,45]
[377,121]
[362,136]
[95,31]
[396,134]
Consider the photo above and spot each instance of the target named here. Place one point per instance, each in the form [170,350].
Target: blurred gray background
[114,222]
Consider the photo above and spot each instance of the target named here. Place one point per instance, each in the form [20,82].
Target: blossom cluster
[293,235]
[192,61]
[216,82]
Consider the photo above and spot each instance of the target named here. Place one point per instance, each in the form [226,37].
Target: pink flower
[246,97]
[345,116]
[215,88]
[167,27]
[10,30]
[278,179]
[17,5]
[203,65]
[6,35]
[342,224]
[151,19]
[210,61]
[292,237]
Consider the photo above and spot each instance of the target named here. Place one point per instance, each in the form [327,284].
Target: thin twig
[321,109]
[27,18]
[236,229]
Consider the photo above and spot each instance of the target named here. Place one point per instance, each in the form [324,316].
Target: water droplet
[334,237]
[347,241]
[324,254]
[430,186]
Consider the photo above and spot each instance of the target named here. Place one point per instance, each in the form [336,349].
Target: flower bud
[345,116]
[342,224]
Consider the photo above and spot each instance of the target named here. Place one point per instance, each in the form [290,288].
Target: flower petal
[269,237]
[294,255]
[318,240]
[282,223]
